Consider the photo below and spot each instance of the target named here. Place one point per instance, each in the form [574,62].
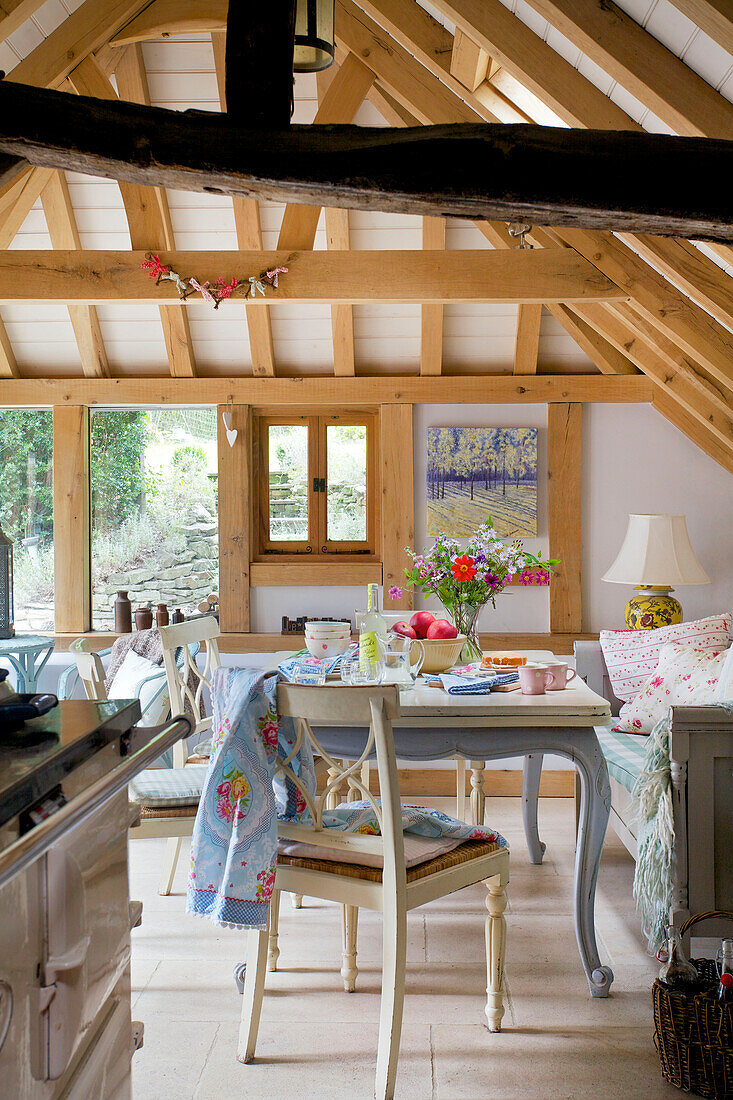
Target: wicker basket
[693,1033]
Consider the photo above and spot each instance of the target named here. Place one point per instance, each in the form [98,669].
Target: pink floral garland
[213,293]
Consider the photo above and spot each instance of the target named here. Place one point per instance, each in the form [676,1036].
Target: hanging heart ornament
[232,433]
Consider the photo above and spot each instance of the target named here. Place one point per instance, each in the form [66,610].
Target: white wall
[633,461]
[636,461]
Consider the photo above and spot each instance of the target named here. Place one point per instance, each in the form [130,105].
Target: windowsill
[314,573]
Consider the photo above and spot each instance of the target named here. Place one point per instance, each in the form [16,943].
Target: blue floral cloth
[467,685]
[234,843]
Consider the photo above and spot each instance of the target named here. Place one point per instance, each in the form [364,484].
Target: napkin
[305,663]
[464,685]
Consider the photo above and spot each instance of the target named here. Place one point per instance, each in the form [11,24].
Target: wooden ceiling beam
[527,340]
[714,17]
[249,236]
[431,316]
[8,363]
[642,65]
[354,277]
[606,357]
[146,208]
[64,234]
[672,411]
[13,14]
[469,64]
[18,199]
[328,391]
[89,27]
[341,101]
[688,393]
[427,40]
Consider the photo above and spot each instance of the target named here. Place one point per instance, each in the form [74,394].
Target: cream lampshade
[656,554]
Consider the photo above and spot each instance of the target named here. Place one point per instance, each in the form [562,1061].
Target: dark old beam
[259,62]
[543,175]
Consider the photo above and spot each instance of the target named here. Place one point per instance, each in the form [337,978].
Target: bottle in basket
[677,972]
[725,988]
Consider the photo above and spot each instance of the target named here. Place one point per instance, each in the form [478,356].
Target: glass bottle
[677,970]
[725,988]
[373,627]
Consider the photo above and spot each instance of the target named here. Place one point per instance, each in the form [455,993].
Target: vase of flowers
[466,579]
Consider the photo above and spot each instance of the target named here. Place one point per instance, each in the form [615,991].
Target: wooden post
[564,424]
[398,499]
[259,62]
[234,518]
[71,526]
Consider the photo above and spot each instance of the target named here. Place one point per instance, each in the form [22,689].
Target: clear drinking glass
[362,674]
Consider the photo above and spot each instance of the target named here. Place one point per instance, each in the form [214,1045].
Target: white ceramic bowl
[327,628]
[442,653]
[327,647]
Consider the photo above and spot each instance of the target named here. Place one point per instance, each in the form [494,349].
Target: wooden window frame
[267,550]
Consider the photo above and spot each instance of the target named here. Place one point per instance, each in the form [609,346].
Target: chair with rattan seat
[391,888]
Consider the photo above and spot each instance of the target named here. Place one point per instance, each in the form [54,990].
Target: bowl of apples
[443,643]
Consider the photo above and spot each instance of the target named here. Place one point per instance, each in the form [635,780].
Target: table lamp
[656,554]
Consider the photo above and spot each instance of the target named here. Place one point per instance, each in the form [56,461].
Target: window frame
[318,547]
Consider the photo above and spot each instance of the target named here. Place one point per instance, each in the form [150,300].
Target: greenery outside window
[154,522]
[317,493]
[26,513]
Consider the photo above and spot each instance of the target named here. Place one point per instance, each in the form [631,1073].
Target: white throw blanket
[653,875]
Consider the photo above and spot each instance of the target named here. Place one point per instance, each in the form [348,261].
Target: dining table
[434,725]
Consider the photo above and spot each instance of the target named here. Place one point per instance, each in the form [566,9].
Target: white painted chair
[171,812]
[168,797]
[391,891]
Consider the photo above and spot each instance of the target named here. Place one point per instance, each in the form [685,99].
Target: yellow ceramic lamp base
[651,606]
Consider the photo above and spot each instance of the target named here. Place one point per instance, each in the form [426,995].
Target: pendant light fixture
[314,44]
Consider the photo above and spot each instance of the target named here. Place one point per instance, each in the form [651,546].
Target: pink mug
[561,676]
[533,679]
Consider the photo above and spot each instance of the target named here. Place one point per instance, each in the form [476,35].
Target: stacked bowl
[327,640]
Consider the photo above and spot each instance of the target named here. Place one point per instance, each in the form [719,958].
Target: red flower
[464,569]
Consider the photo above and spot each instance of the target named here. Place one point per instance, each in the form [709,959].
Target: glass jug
[398,653]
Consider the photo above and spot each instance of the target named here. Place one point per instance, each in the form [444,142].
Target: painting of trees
[474,473]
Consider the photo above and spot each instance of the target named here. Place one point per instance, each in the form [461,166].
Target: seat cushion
[418,849]
[467,850]
[161,788]
[624,753]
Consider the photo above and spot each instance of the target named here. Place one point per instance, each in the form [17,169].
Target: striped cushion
[161,787]
[624,753]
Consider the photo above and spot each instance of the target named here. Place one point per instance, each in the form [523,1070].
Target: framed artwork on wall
[474,473]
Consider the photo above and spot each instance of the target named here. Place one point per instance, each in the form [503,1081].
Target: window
[317,492]
[154,509]
[26,512]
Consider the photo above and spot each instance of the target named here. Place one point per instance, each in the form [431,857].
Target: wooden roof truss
[674,318]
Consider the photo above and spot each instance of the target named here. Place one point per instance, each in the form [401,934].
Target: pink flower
[657,681]
[395,592]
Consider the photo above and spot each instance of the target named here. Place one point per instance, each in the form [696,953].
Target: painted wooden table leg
[595,806]
[170,861]
[349,969]
[460,788]
[532,773]
[478,799]
[495,952]
[273,950]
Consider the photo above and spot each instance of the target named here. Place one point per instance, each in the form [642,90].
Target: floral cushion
[684,675]
[631,656]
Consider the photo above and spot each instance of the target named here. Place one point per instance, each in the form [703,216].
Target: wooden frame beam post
[431,317]
[565,437]
[71,519]
[527,343]
[398,498]
[235,488]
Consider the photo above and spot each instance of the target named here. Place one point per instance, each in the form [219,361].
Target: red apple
[441,628]
[404,629]
[420,622]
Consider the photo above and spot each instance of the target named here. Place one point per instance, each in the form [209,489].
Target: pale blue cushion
[625,754]
[159,788]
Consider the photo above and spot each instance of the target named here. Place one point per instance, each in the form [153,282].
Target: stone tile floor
[317,1041]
